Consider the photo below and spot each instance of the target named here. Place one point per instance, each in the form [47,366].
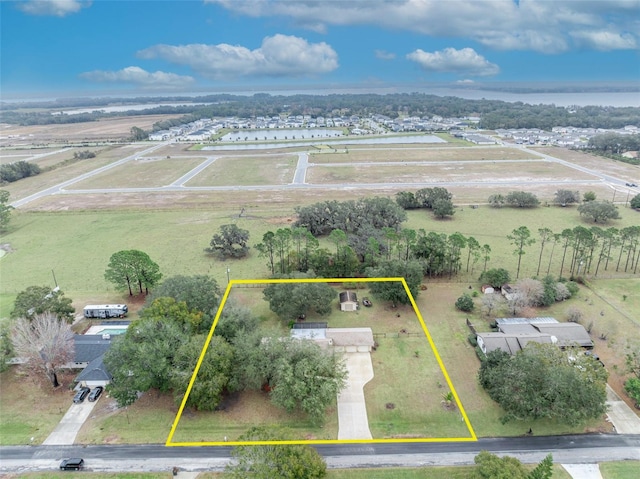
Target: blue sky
[109,46]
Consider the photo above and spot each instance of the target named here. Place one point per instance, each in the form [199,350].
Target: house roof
[89,347]
[568,334]
[95,371]
[348,296]
[351,336]
[525,320]
[512,343]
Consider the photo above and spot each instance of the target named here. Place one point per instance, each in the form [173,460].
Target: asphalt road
[575,449]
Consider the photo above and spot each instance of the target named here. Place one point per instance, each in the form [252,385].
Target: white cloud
[463,62]
[58,8]
[384,55]
[604,40]
[279,55]
[539,25]
[139,77]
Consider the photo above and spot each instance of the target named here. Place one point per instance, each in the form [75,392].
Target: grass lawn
[438,152]
[141,173]
[20,396]
[240,170]
[620,470]
[409,172]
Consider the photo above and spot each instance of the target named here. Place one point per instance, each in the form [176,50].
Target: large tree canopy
[599,211]
[45,342]
[143,358]
[543,381]
[292,300]
[231,242]
[394,291]
[37,300]
[200,293]
[129,268]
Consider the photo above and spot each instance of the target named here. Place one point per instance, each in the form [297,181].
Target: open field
[34,184]
[261,170]
[143,172]
[517,173]
[20,395]
[599,163]
[420,153]
[108,128]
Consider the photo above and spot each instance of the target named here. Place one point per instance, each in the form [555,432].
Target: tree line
[494,113]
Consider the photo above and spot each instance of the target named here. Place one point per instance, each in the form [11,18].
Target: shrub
[473,339]
[573,287]
[465,303]
[632,387]
[562,292]
[574,315]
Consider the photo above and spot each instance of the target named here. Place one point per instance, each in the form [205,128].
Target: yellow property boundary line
[233,282]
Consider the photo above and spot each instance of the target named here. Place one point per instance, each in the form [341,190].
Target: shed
[348,301]
[487,289]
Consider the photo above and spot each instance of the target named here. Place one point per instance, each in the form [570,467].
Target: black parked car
[80,395]
[95,394]
[73,464]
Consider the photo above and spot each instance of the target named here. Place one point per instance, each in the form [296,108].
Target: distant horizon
[622,93]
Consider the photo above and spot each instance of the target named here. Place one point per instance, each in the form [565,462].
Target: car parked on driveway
[95,394]
[80,395]
[72,464]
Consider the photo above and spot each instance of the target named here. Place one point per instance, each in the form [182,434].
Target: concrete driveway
[352,409]
[68,427]
[623,418]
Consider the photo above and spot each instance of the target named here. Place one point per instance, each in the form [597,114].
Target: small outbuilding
[348,301]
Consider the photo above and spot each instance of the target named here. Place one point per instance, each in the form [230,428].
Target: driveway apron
[352,409]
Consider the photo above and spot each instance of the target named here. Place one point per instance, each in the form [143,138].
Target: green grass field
[265,170]
[437,152]
[141,173]
[620,470]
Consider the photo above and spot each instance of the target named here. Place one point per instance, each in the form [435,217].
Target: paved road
[301,169]
[578,449]
[186,177]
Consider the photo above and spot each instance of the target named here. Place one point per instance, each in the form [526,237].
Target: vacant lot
[256,170]
[598,163]
[108,128]
[139,173]
[415,153]
[517,173]
[68,171]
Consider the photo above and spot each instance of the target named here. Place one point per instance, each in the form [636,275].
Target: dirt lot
[107,129]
